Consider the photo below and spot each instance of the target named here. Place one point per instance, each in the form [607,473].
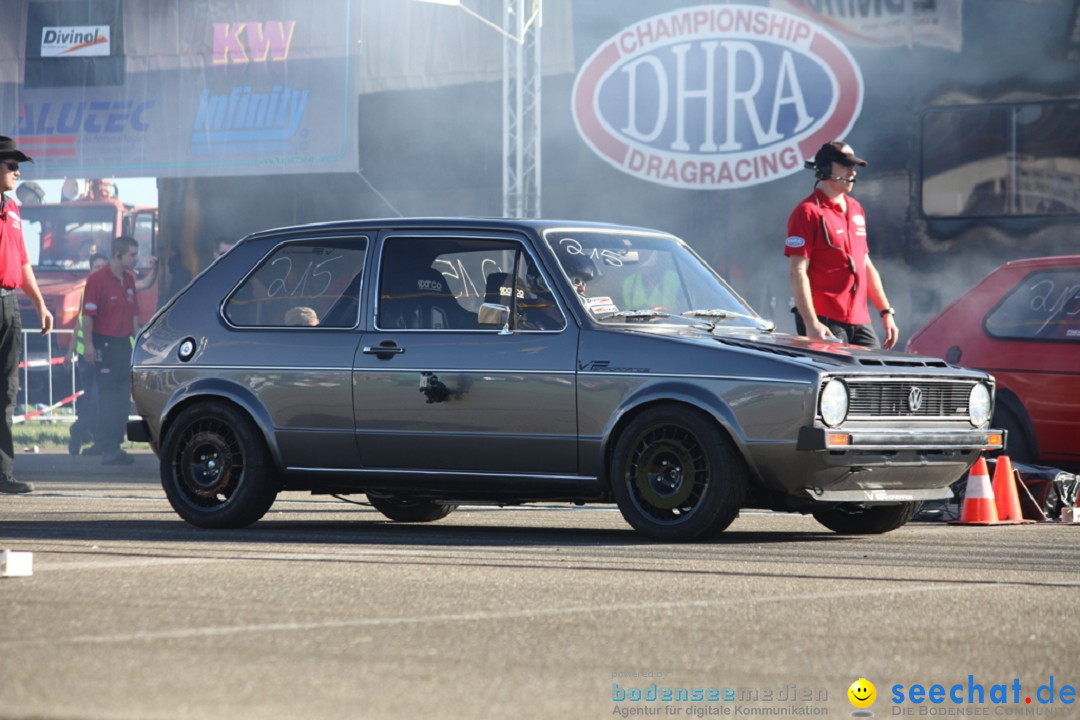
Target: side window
[1043,306]
[312,283]
[1001,160]
[439,284]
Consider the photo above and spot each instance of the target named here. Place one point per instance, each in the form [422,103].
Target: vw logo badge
[914,399]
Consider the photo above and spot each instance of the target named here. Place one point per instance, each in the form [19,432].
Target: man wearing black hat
[829,261]
[15,272]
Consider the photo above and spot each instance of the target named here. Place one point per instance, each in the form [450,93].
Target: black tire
[406,510]
[215,467]
[676,475]
[855,519]
[1019,447]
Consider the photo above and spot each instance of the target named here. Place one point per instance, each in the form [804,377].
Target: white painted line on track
[127,562]
[524,614]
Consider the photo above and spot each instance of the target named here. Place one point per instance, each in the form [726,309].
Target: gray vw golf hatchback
[430,362]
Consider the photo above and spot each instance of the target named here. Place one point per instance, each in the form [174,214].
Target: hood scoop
[834,353]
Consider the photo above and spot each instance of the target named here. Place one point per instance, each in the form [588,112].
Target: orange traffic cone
[1005,495]
[979,506]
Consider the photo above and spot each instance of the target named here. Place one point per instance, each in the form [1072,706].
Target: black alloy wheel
[676,475]
[215,467]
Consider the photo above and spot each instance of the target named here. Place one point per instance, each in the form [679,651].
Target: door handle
[386,350]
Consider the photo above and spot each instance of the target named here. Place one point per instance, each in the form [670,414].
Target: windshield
[65,236]
[621,277]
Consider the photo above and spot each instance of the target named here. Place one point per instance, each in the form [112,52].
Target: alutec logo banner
[716,97]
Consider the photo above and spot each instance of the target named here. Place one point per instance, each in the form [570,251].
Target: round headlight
[834,403]
[979,405]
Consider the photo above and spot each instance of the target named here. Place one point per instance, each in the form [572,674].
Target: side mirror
[493,314]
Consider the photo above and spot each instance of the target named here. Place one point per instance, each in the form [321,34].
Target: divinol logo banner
[74,44]
[716,97]
[78,41]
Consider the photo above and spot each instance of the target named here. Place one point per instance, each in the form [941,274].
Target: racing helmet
[578,266]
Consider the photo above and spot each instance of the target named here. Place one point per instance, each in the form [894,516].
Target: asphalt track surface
[325,610]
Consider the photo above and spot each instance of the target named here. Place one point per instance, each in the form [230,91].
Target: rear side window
[302,285]
[1044,305]
[439,283]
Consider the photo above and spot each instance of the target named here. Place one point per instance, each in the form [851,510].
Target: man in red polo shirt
[829,261]
[15,271]
[110,317]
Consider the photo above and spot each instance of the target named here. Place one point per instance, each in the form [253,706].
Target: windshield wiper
[636,315]
[718,314]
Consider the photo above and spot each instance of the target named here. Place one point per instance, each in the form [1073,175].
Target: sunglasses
[12,166]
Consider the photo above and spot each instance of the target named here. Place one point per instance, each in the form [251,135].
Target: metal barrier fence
[38,391]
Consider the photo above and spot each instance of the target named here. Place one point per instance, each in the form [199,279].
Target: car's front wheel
[854,519]
[406,510]
[215,467]
[676,476]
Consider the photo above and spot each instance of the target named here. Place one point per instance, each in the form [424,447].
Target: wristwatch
[888,311]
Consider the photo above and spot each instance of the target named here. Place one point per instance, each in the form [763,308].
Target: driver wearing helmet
[580,270]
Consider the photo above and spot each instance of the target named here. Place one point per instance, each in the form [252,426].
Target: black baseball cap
[835,151]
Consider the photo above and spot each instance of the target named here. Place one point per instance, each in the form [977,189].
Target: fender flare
[214,388]
[677,393]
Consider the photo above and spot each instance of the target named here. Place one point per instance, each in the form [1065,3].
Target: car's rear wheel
[215,467]
[676,476]
[855,519]
[406,510]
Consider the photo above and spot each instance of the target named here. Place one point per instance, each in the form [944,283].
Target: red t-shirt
[12,248]
[113,304]
[837,271]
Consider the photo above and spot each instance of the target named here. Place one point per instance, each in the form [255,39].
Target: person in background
[99,189]
[15,272]
[178,274]
[222,245]
[829,267]
[110,319]
[302,315]
[82,430]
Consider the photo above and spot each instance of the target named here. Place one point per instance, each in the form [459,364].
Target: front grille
[896,398]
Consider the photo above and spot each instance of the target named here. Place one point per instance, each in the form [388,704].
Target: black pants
[845,332]
[113,368]
[82,430]
[10,344]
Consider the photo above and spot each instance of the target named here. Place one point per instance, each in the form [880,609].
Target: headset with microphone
[822,168]
[829,153]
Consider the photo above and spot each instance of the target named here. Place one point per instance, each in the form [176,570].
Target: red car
[1022,325]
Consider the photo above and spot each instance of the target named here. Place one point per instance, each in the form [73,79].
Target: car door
[294,330]
[435,390]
